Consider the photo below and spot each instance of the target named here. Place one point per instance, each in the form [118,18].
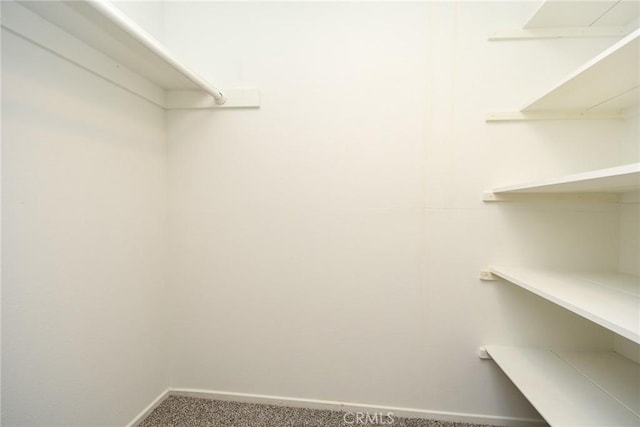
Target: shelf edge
[511,116]
[557,33]
[537,187]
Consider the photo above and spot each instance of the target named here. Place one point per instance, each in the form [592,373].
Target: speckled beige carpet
[178,411]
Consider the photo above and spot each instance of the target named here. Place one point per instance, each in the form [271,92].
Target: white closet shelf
[604,87]
[610,299]
[574,388]
[98,37]
[562,19]
[607,82]
[601,13]
[616,180]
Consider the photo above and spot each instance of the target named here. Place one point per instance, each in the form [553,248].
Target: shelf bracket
[487,276]
[484,354]
[490,196]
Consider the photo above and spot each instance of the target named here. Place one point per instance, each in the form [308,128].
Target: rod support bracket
[221,100]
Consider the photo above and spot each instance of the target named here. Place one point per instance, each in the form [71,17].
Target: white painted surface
[111,32]
[121,40]
[619,376]
[503,116]
[629,237]
[625,12]
[617,179]
[590,393]
[563,13]
[630,148]
[610,78]
[148,14]
[104,40]
[558,33]
[326,244]
[83,209]
[611,300]
[627,348]
[37,30]
[323,246]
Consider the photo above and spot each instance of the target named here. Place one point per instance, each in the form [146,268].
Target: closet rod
[123,22]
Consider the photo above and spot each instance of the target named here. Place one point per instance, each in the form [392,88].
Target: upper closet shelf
[601,13]
[602,88]
[616,180]
[609,82]
[561,18]
[98,37]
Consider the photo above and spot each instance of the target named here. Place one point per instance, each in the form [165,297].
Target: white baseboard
[357,407]
[146,411]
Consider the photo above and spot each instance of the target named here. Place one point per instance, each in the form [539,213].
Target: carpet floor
[179,411]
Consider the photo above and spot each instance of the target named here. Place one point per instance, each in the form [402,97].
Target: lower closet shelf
[574,388]
[610,299]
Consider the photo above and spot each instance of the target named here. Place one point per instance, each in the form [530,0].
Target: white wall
[629,233]
[148,14]
[630,151]
[84,220]
[629,261]
[327,245]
